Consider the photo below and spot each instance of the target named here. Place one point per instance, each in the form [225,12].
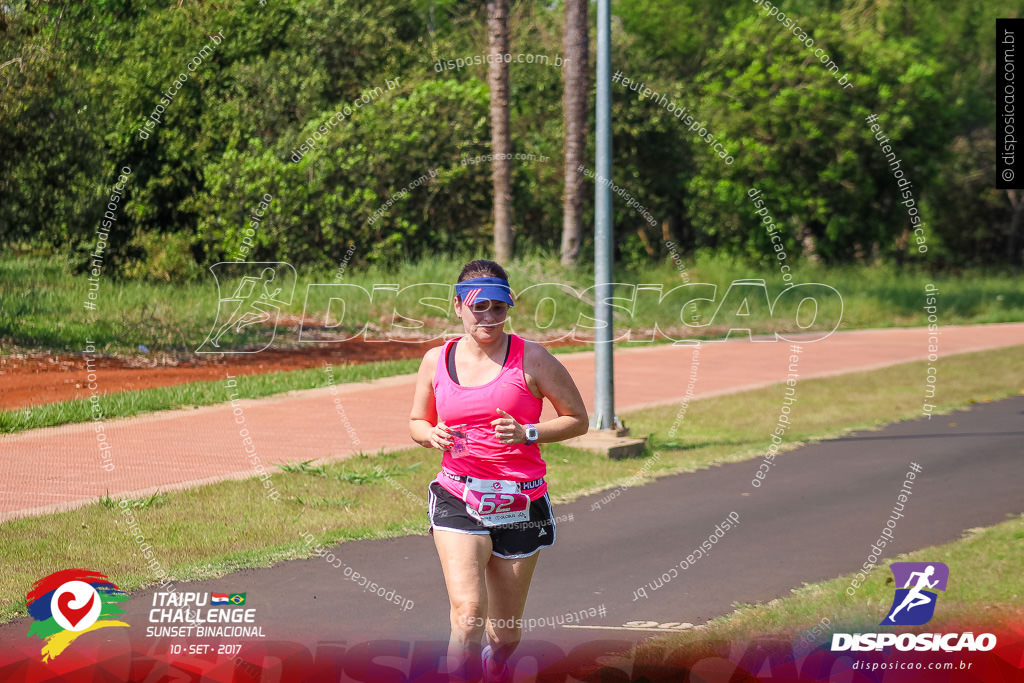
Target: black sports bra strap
[450,362]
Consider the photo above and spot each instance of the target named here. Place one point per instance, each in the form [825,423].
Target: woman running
[478,399]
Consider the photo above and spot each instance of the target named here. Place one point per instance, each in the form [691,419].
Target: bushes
[396,177]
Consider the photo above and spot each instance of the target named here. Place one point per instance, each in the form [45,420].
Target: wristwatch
[531,434]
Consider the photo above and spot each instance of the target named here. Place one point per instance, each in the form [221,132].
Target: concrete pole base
[615,443]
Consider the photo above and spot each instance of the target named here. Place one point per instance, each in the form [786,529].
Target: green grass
[304,467]
[384,495]
[986,591]
[41,302]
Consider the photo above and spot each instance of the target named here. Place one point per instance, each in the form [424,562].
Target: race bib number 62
[495,501]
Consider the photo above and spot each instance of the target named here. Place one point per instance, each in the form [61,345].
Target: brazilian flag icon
[237,598]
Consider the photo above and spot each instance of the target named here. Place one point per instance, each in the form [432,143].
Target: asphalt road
[815,516]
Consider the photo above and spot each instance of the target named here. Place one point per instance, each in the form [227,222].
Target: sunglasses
[499,307]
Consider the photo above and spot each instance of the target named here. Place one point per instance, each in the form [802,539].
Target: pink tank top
[475,407]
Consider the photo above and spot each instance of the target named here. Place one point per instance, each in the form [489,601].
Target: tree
[577,86]
[805,141]
[501,143]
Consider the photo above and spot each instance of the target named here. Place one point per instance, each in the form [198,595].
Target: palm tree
[576,42]
[501,144]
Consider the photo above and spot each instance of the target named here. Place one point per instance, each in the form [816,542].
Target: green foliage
[163,257]
[80,79]
[326,201]
[803,140]
[677,32]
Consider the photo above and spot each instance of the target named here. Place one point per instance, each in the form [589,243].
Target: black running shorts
[509,541]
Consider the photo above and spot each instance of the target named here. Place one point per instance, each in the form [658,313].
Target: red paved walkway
[61,467]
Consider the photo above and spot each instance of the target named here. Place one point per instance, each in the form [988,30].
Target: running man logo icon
[255,303]
[916,583]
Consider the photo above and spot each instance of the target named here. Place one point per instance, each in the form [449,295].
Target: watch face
[531,433]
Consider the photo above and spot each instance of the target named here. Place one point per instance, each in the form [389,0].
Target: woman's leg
[508,582]
[464,558]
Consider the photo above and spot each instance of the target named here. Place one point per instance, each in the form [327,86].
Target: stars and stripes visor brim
[484,289]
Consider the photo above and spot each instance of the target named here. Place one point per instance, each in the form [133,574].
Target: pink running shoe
[503,676]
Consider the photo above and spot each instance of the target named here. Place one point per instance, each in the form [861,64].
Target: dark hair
[482,268]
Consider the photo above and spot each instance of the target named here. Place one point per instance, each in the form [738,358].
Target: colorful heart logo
[69,603]
[74,615]
[64,610]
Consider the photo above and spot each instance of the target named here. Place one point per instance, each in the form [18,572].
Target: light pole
[604,383]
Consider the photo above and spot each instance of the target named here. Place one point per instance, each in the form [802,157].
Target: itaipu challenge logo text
[70,603]
[180,615]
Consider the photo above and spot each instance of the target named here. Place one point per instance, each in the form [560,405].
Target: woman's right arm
[423,424]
